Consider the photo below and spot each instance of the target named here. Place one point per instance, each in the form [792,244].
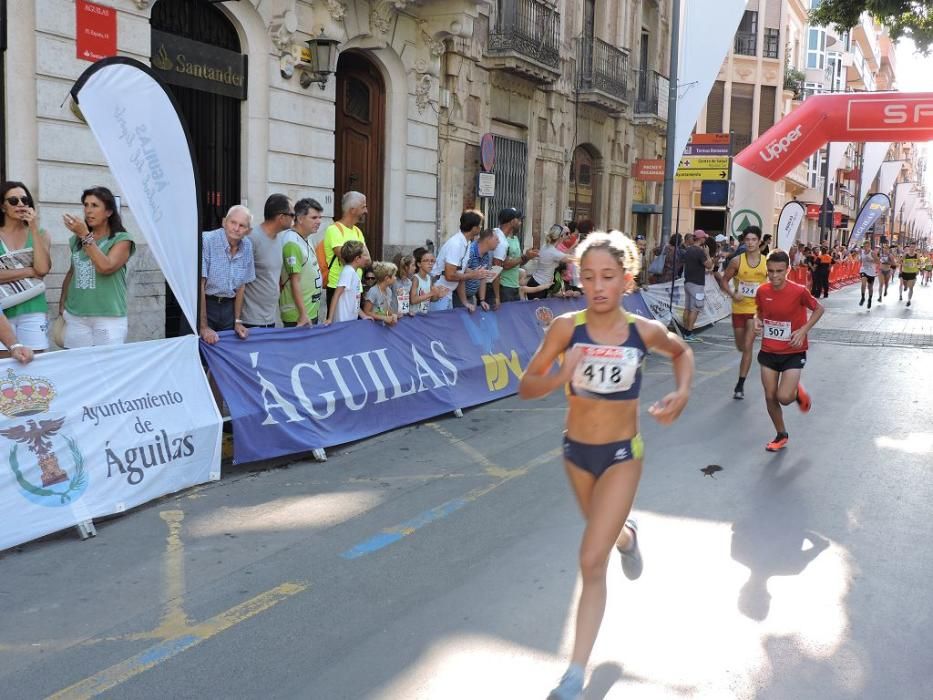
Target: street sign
[704,163]
[487,149]
[487,185]
[700,174]
[710,139]
[706,150]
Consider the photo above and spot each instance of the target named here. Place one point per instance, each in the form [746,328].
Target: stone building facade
[571,92]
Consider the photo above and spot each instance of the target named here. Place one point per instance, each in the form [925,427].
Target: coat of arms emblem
[22,396]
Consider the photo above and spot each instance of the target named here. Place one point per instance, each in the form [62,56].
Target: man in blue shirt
[226,267]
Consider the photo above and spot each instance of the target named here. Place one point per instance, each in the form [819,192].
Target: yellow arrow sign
[704,163]
[701,174]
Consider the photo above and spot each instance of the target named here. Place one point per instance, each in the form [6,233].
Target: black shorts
[908,276]
[865,275]
[782,362]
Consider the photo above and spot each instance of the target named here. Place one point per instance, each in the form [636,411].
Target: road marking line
[491,468]
[121,672]
[391,535]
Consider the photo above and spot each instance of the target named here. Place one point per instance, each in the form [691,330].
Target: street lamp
[323,54]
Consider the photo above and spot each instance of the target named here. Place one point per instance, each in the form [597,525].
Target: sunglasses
[16,201]
[370,278]
[289,214]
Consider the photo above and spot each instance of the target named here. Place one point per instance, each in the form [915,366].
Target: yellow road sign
[701,174]
[704,163]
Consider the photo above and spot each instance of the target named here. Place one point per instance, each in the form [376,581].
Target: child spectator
[380,300]
[345,304]
[423,289]
[401,288]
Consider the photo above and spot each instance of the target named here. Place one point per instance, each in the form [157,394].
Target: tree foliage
[912,19]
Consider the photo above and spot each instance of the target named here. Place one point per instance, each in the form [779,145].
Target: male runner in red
[782,321]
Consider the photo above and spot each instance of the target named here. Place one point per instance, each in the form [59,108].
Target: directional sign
[701,174]
[718,139]
[704,163]
[706,150]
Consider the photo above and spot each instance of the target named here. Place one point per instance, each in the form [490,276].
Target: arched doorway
[359,140]
[196,35]
[584,192]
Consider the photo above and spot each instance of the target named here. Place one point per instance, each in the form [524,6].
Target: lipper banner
[297,389]
[875,207]
[716,305]
[95,431]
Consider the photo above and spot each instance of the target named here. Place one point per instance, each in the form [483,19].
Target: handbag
[657,265]
[13,293]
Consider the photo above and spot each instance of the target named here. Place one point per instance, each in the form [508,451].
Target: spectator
[226,268]
[261,299]
[697,263]
[379,303]
[508,255]
[712,250]
[472,292]
[450,267]
[93,301]
[369,279]
[24,261]
[401,288]
[353,206]
[15,349]
[345,301]
[548,260]
[566,245]
[673,249]
[584,228]
[301,283]
[423,290]
[766,244]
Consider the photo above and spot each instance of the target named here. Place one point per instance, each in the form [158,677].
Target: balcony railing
[772,43]
[651,96]
[746,43]
[529,28]
[603,67]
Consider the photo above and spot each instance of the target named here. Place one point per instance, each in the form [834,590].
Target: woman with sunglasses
[93,299]
[24,260]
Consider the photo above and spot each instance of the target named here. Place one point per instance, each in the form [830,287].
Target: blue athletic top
[611,372]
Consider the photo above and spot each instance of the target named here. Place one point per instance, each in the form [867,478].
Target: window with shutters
[766,108]
[740,115]
[714,108]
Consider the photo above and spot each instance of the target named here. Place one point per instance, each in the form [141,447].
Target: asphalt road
[439,561]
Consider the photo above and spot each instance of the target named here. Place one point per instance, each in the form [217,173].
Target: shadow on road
[774,538]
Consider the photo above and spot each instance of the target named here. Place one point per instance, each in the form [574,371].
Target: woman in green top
[24,261]
[94,291]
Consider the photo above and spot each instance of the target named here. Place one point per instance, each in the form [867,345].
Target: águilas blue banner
[293,390]
[875,207]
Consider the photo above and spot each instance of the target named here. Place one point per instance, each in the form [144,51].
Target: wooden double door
[360,135]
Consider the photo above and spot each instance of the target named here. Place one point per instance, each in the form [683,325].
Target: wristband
[87,240]
[16,345]
[236,321]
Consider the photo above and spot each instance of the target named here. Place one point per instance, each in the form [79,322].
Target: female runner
[603,348]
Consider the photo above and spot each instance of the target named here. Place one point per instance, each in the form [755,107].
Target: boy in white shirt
[345,306]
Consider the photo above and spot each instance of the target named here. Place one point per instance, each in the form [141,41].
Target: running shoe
[778,443]
[869,302]
[862,302]
[692,339]
[570,686]
[738,393]
[908,303]
[803,399]
[631,558]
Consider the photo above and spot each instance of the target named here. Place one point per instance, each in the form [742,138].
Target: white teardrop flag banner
[143,139]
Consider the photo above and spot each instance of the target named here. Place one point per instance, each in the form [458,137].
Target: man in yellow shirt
[749,271]
[353,206]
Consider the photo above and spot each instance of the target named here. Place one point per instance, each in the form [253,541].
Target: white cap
[720,238]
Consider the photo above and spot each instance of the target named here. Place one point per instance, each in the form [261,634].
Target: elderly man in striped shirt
[226,267]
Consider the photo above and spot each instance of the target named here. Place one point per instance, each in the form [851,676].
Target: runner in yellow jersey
[910,267]
[744,274]
[926,268]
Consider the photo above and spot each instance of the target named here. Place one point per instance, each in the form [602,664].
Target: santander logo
[777,147]
[903,114]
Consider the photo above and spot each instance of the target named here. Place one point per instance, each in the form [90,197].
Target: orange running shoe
[803,399]
[778,443]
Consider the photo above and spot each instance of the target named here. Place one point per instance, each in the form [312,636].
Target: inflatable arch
[864,116]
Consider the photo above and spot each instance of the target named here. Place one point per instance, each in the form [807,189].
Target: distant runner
[783,324]
[749,272]
[886,260]
[910,267]
[868,271]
